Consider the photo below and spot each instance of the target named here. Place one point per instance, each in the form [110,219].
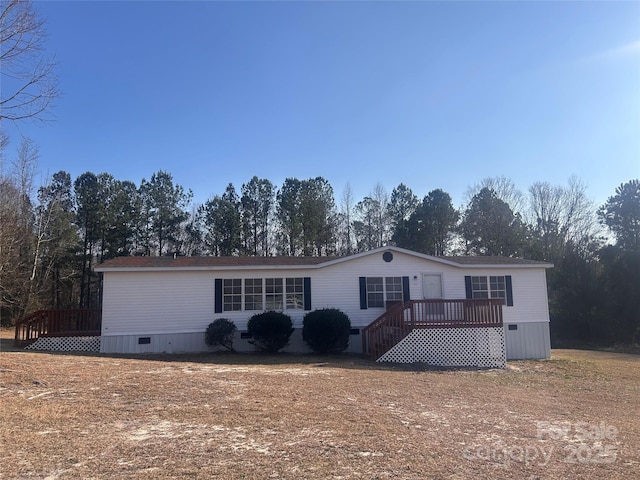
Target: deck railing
[57,323]
[397,322]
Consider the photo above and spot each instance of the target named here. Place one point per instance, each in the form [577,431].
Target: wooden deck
[57,323]
[396,323]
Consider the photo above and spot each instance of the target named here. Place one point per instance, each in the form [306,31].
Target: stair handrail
[396,323]
[388,328]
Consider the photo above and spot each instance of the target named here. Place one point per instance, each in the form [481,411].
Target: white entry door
[431,285]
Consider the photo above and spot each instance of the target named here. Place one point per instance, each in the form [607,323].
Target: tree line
[51,237]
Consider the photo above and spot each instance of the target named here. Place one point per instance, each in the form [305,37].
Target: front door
[432,290]
[431,285]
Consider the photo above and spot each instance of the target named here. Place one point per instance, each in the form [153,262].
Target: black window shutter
[507,281]
[363,293]
[467,286]
[307,293]
[406,296]
[218,296]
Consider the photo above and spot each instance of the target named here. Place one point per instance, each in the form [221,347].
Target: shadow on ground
[6,345]
[344,361]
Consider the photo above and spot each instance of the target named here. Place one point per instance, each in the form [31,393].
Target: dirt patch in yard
[291,417]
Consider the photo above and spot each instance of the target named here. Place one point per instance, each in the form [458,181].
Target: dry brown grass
[292,417]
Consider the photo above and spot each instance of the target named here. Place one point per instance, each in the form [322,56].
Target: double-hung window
[498,288]
[273,295]
[479,287]
[253,294]
[295,293]
[393,289]
[232,294]
[375,291]
[492,286]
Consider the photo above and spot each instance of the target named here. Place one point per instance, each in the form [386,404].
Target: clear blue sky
[435,95]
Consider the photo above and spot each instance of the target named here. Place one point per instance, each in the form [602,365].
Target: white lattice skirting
[451,347]
[66,344]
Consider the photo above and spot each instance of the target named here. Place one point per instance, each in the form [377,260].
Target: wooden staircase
[397,322]
[58,323]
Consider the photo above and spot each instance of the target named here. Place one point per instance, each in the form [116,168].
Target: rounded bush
[270,331]
[327,330]
[220,333]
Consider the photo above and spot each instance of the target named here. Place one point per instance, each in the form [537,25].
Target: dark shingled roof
[491,260]
[230,262]
[169,262]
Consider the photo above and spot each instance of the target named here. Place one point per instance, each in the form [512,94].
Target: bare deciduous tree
[346,217]
[16,236]
[29,82]
[372,228]
[561,216]
[503,188]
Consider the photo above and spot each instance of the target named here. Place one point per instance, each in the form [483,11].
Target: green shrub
[327,330]
[270,331]
[220,333]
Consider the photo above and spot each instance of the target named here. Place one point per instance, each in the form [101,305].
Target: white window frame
[294,292]
[253,294]
[274,293]
[389,288]
[230,297]
[260,294]
[489,286]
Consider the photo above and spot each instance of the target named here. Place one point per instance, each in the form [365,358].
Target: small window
[354,331]
[232,295]
[479,287]
[273,293]
[394,289]
[144,340]
[375,292]
[295,293]
[253,294]
[489,287]
[498,288]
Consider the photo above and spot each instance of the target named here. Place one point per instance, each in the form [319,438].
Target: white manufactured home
[403,306]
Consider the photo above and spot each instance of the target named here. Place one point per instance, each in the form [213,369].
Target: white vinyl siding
[162,302]
[156,302]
